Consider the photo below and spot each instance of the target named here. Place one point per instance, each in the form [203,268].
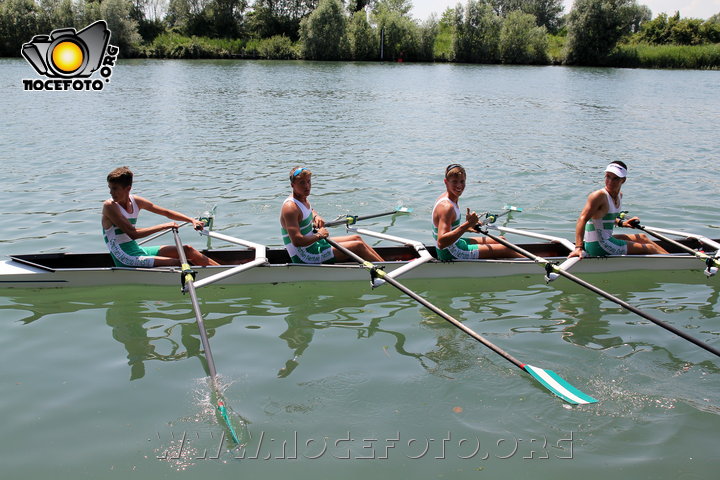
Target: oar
[352,219]
[159,234]
[711,263]
[549,266]
[188,277]
[208,217]
[549,379]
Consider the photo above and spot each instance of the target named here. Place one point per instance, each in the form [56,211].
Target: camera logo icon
[68,57]
[66,53]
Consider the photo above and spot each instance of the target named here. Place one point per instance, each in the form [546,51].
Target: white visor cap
[617,170]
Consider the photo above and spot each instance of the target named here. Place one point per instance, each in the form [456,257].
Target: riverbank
[175,46]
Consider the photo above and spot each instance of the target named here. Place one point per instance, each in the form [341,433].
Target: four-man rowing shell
[94,269]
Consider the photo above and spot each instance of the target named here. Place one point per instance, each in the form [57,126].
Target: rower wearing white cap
[594,228]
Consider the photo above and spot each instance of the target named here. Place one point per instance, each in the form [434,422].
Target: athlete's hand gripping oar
[711,263]
[188,277]
[549,379]
[551,267]
[353,219]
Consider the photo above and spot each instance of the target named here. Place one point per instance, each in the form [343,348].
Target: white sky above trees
[687,8]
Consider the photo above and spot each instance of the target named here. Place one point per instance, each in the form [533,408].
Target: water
[328,379]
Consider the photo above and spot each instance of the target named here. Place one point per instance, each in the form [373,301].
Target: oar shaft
[639,312]
[159,234]
[335,223]
[428,305]
[453,321]
[196,306]
[671,241]
[353,219]
[605,294]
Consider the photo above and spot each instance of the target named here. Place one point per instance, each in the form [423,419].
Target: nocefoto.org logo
[68,57]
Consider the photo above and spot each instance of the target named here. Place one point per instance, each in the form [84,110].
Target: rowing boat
[273,266]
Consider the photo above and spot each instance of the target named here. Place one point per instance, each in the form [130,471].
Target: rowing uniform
[318,252]
[598,239]
[461,249]
[124,250]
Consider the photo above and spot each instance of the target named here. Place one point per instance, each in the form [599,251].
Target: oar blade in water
[226,418]
[557,385]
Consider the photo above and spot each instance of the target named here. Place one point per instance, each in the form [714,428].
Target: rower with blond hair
[449,231]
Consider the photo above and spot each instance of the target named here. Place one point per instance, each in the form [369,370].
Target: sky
[687,8]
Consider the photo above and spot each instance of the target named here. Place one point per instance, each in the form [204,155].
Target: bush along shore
[613,33]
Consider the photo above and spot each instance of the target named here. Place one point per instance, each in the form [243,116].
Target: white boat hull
[18,275]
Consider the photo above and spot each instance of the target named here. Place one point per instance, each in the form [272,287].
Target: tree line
[476,31]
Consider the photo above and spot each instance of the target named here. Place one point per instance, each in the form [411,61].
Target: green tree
[401,7]
[399,33]
[663,30]
[443,46]
[548,13]
[226,17]
[687,32]
[207,18]
[427,32]
[322,33]
[58,14]
[354,6]
[189,17]
[595,27]
[278,17]
[117,15]
[657,30]
[19,22]
[363,41]
[521,40]
[477,33]
[710,30]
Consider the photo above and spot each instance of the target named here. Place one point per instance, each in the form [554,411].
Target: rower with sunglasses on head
[304,232]
[448,230]
[594,227]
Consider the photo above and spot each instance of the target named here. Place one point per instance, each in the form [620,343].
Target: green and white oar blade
[559,386]
[401,209]
[226,418]
[512,208]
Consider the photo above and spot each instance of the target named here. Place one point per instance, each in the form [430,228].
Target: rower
[303,230]
[594,227]
[448,231]
[119,216]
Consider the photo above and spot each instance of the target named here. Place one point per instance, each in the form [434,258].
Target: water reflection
[158,325]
